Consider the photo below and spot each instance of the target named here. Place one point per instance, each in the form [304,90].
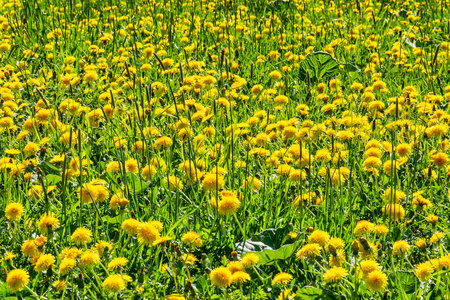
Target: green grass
[75,81]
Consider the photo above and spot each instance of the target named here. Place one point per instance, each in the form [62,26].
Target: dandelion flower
[130,226]
[163,143]
[421,243]
[48,222]
[67,265]
[335,274]
[14,211]
[147,234]
[212,181]
[240,277]
[436,237]
[81,236]
[88,259]
[17,279]
[29,248]
[308,251]
[44,262]
[424,270]
[282,278]
[229,205]
[235,266]
[221,277]
[192,238]
[70,253]
[381,230]
[319,237]
[363,227]
[376,281]
[59,285]
[132,166]
[114,284]
[401,247]
[368,266]
[101,246]
[394,211]
[249,260]
[117,263]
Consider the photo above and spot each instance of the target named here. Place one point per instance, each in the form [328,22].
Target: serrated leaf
[319,65]
[269,245]
[312,293]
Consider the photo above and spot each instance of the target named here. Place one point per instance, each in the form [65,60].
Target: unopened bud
[141,275]
[355,247]
[332,250]
[80,281]
[106,252]
[178,252]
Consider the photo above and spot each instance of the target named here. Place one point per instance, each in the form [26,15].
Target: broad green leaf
[407,279]
[320,65]
[351,68]
[269,245]
[112,220]
[48,168]
[137,185]
[312,293]
[52,179]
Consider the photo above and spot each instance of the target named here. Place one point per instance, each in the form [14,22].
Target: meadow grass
[224,149]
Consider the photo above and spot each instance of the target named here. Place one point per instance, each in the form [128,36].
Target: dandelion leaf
[319,65]
[270,244]
[312,293]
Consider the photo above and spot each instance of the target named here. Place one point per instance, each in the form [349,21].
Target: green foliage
[320,66]
[270,245]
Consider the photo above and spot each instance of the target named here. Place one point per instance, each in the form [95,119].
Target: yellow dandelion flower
[14,211]
[221,277]
[282,278]
[17,279]
[376,281]
[81,236]
[335,275]
[114,284]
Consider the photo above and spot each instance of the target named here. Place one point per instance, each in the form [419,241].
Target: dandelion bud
[133,214]
[310,229]
[234,255]
[141,275]
[385,295]
[50,231]
[172,247]
[355,248]
[222,57]
[50,272]
[189,287]
[80,282]
[178,252]
[332,250]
